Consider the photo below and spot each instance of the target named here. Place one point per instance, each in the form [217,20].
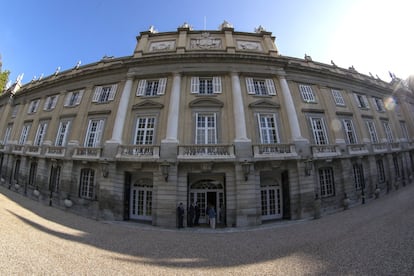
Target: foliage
[4,78]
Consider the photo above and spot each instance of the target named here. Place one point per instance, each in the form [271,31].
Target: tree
[4,78]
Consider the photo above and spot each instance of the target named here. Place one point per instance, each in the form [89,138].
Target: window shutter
[195,84]
[216,85]
[67,99]
[141,87]
[78,100]
[98,133]
[357,100]
[271,90]
[98,91]
[364,98]
[161,86]
[250,86]
[55,99]
[113,92]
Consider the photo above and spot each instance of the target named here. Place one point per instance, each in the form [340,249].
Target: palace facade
[215,117]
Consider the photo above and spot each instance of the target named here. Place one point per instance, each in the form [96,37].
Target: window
[54,179]
[51,102]
[87,184]
[379,104]
[388,132]
[151,87]
[32,174]
[94,133]
[372,131]
[104,94]
[40,134]
[319,131]
[16,171]
[7,135]
[62,133]
[326,182]
[33,106]
[260,87]
[404,130]
[337,96]
[15,110]
[271,202]
[145,130]
[361,100]
[268,128]
[24,134]
[358,176]
[349,131]
[307,93]
[396,167]
[73,98]
[206,129]
[381,171]
[206,85]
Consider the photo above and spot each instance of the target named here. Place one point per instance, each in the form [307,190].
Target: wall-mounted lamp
[105,169]
[165,170]
[246,169]
[308,167]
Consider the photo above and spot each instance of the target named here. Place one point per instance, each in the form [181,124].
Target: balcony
[380,147]
[138,152]
[17,149]
[55,151]
[87,153]
[323,151]
[395,146]
[206,152]
[357,149]
[33,150]
[274,151]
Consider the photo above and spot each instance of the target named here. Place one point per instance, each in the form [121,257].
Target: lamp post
[165,169]
[246,169]
[308,167]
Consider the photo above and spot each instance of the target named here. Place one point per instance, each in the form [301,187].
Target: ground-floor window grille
[326,182]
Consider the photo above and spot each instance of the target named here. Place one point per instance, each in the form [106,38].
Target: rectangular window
[32,174]
[62,133]
[33,106]
[361,100]
[15,110]
[51,102]
[349,131]
[40,134]
[206,132]
[326,182]
[396,167]
[388,132]
[381,171]
[260,87]
[379,104]
[307,93]
[145,130]
[16,171]
[7,135]
[87,184]
[54,179]
[94,133]
[151,87]
[206,85]
[268,129]
[358,176]
[337,96]
[319,131]
[404,130]
[105,93]
[372,131]
[24,134]
[73,98]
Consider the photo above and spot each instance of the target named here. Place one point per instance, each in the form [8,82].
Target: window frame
[97,134]
[73,98]
[349,129]
[307,93]
[143,83]
[24,134]
[216,85]
[99,95]
[361,100]
[51,102]
[325,175]
[275,128]
[338,97]
[267,85]
[358,174]
[373,134]
[379,104]
[40,133]
[87,189]
[206,129]
[322,131]
[33,107]
[388,132]
[145,130]
[65,133]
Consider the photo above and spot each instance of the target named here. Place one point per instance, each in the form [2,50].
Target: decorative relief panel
[205,42]
[162,46]
[249,45]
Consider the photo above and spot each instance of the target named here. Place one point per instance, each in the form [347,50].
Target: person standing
[212,217]
[197,214]
[191,214]
[180,215]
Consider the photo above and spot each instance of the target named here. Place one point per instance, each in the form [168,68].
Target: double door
[209,198]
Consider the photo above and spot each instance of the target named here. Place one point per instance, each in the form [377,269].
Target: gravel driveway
[372,239]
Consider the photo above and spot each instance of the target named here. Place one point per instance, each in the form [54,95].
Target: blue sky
[374,36]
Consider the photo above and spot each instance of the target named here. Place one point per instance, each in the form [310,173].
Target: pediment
[264,104]
[206,102]
[148,104]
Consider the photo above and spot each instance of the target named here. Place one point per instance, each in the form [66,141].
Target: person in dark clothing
[180,215]
[190,217]
[197,214]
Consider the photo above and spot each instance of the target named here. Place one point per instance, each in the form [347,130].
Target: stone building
[218,117]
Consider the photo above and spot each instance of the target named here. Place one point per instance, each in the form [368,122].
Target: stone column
[238,109]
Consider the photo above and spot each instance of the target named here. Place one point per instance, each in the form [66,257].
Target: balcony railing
[274,151]
[325,150]
[17,148]
[33,150]
[55,151]
[134,152]
[210,151]
[87,153]
[357,148]
[380,147]
[395,146]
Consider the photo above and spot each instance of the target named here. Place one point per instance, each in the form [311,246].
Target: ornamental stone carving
[205,42]
[162,46]
[249,45]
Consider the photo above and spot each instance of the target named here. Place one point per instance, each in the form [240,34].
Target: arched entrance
[208,190]
[141,199]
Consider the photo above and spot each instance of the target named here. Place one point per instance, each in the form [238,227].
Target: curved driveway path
[372,239]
